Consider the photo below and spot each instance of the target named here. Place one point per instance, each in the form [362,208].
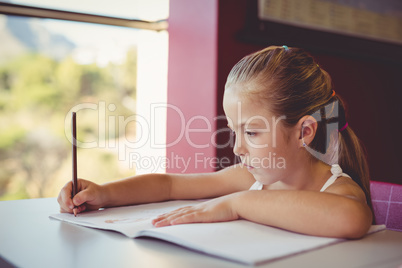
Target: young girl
[279,104]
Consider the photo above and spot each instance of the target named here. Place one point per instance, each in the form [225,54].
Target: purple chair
[387,204]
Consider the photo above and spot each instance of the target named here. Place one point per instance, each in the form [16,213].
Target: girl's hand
[215,210]
[89,197]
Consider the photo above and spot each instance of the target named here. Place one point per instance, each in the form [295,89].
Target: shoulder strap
[256,186]
[332,179]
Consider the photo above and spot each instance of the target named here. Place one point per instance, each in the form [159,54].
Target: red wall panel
[192,65]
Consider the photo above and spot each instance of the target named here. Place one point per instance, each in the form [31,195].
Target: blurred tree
[129,79]
[36,92]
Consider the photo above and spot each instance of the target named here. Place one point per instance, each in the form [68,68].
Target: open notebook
[240,241]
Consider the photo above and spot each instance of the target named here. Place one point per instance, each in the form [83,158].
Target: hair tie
[285,47]
[344,127]
[333,93]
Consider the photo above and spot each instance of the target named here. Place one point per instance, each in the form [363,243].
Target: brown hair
[298,86]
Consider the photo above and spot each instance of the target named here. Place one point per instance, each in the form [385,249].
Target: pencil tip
[75,212]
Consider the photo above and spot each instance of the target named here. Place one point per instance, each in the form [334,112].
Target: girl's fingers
[178,216]
[67,204]
[81,197]
[163,220]
[81,208]
[187,218]
[64,199]
[169,214]
[211,211]
[64,211]
[160,223]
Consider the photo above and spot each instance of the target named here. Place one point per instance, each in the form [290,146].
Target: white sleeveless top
[335,170]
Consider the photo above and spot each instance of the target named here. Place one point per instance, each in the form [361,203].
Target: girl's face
[260,139]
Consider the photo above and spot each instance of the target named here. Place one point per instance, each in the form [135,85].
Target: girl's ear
[308,128]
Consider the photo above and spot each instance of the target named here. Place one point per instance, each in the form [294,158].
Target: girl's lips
[243,161]
[249,167]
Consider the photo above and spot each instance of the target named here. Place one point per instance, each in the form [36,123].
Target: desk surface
[28,238]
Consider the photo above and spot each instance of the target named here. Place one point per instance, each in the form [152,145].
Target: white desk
[28,238]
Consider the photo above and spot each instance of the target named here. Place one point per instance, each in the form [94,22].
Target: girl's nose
[238,148]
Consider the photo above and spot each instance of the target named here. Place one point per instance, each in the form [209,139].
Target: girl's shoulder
[345,186]
[342,184]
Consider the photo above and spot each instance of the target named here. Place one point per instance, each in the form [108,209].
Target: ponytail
[352,159]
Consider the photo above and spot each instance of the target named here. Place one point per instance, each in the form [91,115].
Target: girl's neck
[307,176]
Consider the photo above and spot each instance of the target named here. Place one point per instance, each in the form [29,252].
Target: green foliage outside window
[36,93]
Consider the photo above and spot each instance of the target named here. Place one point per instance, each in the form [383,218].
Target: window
[109,75]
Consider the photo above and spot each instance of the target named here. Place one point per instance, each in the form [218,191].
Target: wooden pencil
[74,158]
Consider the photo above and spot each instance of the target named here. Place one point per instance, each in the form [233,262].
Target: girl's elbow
[356,230]
[356,223]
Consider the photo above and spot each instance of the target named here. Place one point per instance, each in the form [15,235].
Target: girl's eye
[250,133]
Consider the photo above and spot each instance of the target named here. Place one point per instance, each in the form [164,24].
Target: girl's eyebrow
[242,125]
[251,125]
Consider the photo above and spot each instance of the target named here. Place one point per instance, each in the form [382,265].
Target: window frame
[47,13]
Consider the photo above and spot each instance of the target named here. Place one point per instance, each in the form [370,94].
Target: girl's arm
[161,187]
[341,211]
[153,188]
[338,212]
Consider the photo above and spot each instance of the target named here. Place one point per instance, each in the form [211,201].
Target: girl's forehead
[241,108]
[234,97]
[236,92]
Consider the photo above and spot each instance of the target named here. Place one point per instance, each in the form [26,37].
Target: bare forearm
[136,190]
[313,213]
[160,187]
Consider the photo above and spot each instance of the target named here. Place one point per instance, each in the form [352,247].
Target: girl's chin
[264,179]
